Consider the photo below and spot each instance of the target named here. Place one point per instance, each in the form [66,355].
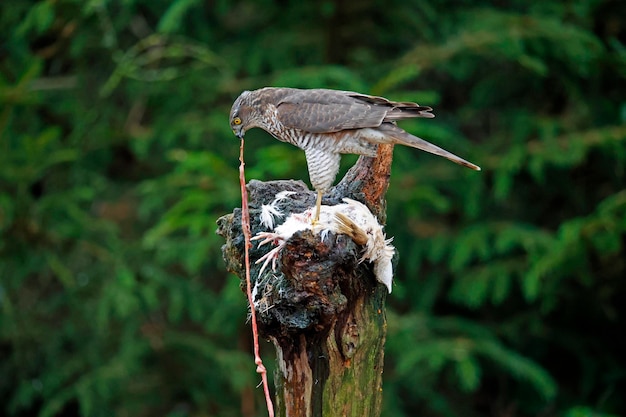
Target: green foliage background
[116,159]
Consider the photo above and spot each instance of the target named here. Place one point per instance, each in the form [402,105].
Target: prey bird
[327,123]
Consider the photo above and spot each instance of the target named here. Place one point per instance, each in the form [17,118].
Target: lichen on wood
[322,308]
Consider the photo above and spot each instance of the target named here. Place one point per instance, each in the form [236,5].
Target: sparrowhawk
[327,123]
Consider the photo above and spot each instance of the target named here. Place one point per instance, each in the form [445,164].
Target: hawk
[327,123]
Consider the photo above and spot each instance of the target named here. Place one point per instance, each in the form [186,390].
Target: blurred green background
[116,159]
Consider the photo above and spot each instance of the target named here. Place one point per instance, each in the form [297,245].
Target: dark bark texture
[321,308]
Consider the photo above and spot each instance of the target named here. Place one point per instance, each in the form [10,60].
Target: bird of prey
[327,123]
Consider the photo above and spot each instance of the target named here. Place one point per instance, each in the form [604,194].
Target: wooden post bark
[322,309]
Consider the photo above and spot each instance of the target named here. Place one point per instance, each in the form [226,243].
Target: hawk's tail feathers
[405,138]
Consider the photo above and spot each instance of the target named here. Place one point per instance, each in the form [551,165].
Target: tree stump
[322,309]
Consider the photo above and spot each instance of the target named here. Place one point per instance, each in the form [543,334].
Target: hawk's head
[243,114]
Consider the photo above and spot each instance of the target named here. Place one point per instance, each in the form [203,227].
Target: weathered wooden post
[322,308]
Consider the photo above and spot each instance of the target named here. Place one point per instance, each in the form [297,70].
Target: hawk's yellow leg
[318,205]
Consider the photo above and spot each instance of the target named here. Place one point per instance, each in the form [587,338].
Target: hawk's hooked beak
[240,133]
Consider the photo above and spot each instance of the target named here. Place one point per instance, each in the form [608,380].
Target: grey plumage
[326,123]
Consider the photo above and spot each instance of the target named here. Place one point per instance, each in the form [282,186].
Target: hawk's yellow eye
[237,121]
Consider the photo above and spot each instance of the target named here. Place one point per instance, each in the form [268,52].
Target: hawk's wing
[325,111]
